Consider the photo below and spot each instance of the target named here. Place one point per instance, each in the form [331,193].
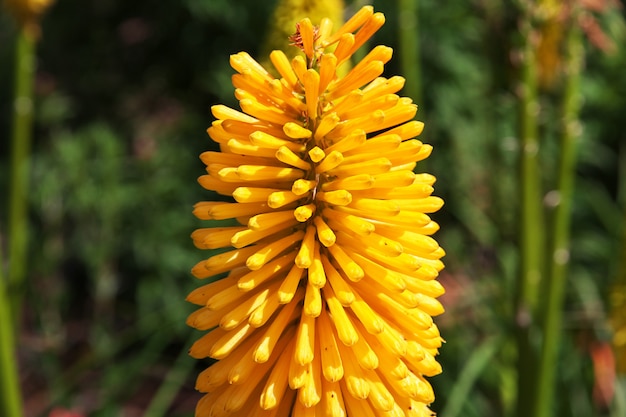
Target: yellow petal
[304,259]
[311,393]
[287,156]
[278,329]
[255,278]
[306,32]
[343,325]
[267,220]
[260,258]
[264,312]
[370,27]
[296,131]
[229,341]
[329,352]
[324,233]
[317,275]
[239,314]
[364,354]
[327,124]
[374,166]
[331,160]
[265,173]
[337,198]
[311,87]
[301,186]
[304,213]
[328,65]
[354,377]
[253,194]
[276,384]
[282,65]
[278,199]
[347,222]
[305,339]
[312,300]
[355,22]
[288,288]
[249,236]
[352,270]
[356,78]
[223,112]
[268,141]
[316,154]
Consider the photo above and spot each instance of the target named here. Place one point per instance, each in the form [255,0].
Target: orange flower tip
[200,271]
[304,213]
[382,53]
[327,238]
[223,112]
[375,22]
[303,261]
[307,33]
[325,28]
[331,161]
[355,22]
[337,198]
[237,62]
[316,154]
[254,263]
[301,187]
[355,273]
[295,131]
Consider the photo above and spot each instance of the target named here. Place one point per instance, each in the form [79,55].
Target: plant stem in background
[617,304]
[617,300]
[174,380]
[409,52]
[531,216]
[10,395]
[21,137]
[10,288]
[560,233]
[532,236]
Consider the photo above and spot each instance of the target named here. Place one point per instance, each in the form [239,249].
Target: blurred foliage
[123,92]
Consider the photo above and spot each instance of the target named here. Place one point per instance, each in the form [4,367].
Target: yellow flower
[322,298]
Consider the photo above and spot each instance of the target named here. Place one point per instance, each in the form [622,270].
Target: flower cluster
[320,301]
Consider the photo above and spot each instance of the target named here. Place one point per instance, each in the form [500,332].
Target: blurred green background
[122,95]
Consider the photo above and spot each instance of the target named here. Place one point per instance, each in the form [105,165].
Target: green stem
[10,287]
[174,380]
[559,244]
[531,217]
[532,231]
[21,137]
[473,368]
[618,287]
[10,395]
[408,39]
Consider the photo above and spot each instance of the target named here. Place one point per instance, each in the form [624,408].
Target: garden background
[522,100]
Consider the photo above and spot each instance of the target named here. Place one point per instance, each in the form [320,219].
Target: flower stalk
[531,216]
[409,45]
[21,140]
[11,285]
[559,244]
[10,393]
[27,15]
[531,195]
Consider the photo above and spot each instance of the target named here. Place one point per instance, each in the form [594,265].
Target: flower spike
[323,292]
